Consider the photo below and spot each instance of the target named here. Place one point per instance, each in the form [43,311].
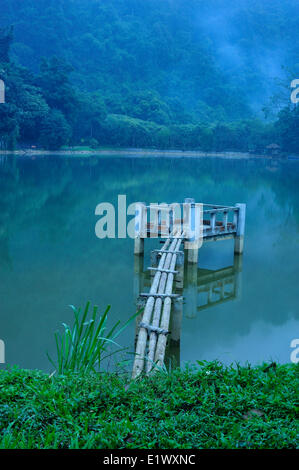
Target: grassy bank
[206,407]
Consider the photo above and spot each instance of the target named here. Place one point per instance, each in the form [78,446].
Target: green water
[50,256]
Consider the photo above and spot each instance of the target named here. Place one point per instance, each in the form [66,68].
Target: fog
[239,30]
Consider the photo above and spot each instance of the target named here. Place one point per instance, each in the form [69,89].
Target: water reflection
[50,257]
[205,288]
[200,289]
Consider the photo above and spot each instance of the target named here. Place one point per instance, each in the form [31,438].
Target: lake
[50,256]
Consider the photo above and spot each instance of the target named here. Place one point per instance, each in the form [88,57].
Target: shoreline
[145,153]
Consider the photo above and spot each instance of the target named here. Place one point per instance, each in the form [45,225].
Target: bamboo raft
[153,328]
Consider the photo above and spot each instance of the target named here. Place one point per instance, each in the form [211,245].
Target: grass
[208,406]
[83,346]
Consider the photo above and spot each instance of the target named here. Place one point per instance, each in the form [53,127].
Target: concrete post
[189,215]
[225,220]
[239,238]
[213,222]
[140,228]
[139,246]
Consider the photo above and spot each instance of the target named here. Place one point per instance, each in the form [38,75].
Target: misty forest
[171,74]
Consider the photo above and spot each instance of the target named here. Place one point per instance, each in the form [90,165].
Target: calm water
[50,256]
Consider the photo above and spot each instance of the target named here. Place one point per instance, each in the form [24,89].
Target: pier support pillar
[238,263]
[139,246]
[239,238]
[189,222]
[192,255]
[140,227]
[239,245]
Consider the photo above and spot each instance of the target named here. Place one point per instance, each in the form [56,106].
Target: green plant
[83,346]
[209,406]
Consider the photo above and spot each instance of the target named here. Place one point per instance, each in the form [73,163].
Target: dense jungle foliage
[197,74]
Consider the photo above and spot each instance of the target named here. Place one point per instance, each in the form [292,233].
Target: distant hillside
[165,62]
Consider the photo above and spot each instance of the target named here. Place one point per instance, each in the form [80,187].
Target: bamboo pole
[162,339]
[158,308]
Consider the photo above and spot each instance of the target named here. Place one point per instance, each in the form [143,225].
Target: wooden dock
[200,223]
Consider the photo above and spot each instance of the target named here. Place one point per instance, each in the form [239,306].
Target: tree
[90,116]
[55,131]
[6,38]
[57,90]
[287,127]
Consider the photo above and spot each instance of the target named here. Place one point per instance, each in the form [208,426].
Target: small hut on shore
[273,149]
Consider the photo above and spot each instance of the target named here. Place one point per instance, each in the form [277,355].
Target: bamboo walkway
[156,316]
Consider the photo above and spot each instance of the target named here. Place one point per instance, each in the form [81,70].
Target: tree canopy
[161,73]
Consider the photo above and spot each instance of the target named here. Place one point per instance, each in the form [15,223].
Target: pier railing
[196,220]
[220,220]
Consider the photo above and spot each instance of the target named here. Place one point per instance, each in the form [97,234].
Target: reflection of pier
[206,288]
[200,289]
